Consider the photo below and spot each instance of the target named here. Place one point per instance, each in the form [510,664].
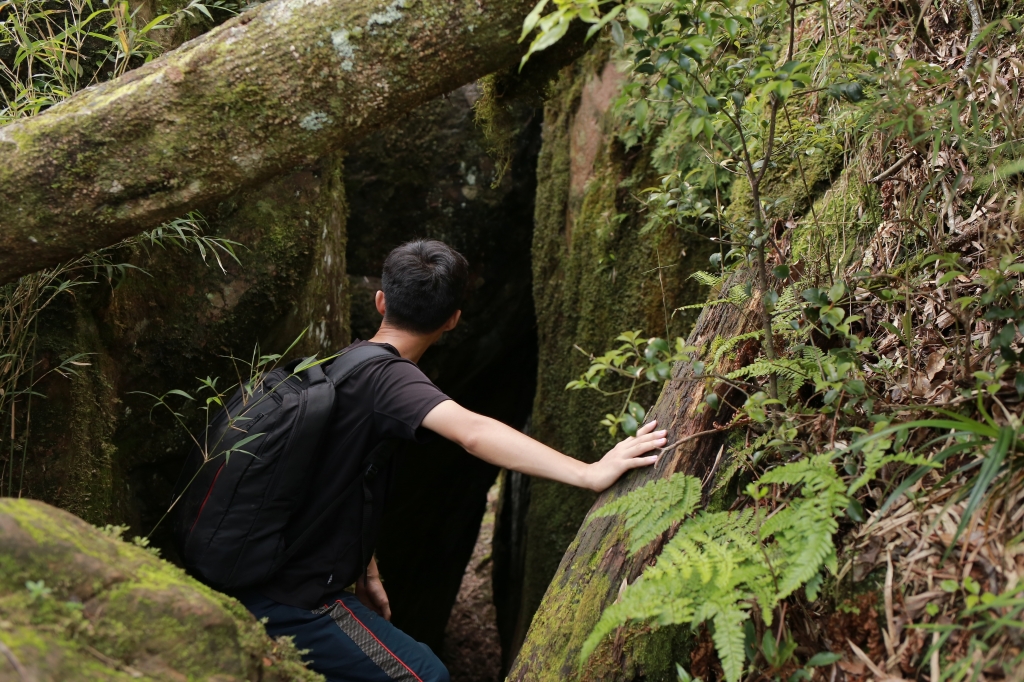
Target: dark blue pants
[348,642]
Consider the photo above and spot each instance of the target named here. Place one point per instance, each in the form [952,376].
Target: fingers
[646,428]
[638,462]
[645,443]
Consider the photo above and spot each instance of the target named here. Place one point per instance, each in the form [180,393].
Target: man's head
[424,282]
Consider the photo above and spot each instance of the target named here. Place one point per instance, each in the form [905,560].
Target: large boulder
[77,603]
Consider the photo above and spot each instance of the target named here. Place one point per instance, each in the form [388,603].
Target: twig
[890,620]
[15,663]
[699,434]
[111,662]
[884,175]
[972,48]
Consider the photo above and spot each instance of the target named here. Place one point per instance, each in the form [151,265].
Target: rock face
[430,176]
[98,608]
[97,448]
[594,277]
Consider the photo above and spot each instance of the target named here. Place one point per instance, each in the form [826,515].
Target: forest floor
[471,649]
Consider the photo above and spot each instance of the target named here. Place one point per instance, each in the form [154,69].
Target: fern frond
[708,279]
[651,509]
[737,295]
[787,309]
[729,638]
[790,368]
[728,344]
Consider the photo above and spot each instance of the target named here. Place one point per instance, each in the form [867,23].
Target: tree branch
[268,90]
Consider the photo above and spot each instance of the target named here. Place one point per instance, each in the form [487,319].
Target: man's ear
[452,321]
[378,301]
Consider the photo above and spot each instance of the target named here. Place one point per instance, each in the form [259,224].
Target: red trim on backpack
[356,618]
[203,505]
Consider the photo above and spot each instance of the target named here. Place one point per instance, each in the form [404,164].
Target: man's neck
[409,345]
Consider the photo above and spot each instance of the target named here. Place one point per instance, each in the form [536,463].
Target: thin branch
[972,46]
[15,663]
[884,175]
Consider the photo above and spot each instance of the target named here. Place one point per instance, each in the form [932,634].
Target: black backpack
[232,508]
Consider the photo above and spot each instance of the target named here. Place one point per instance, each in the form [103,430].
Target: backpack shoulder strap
[351,360]
[338,371]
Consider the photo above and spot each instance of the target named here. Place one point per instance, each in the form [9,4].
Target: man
[348,636]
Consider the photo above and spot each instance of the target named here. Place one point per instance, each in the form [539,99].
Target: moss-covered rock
[78,604]
[593,277]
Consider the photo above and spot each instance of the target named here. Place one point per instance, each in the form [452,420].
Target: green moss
[112,606]
[594,277]
[793,181]
[842,221]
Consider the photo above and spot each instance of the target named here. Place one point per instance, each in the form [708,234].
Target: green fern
[708,279]
[718,565]
[650,510]
[875,458]
[727,345]
[792,373]
[788,309]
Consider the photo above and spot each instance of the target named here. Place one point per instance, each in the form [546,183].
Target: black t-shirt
[386,398]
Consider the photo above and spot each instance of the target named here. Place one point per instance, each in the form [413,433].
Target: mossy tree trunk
[269,90]
[596,564]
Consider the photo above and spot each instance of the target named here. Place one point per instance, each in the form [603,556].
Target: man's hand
[630,453]
[370,591]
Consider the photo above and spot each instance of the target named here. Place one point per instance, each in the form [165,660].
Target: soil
[471,648]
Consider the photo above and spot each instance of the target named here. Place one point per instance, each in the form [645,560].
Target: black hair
[424,282]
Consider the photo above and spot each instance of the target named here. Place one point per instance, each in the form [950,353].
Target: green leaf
[607,18]
[856,511]
[770,648]
[638,17]
[823,658]
[835,294]
[986,475]
[179,392]
[617,34]
[532,18]
[813,587]
[640,113]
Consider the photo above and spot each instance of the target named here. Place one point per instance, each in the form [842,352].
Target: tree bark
[596,565]
[273,88]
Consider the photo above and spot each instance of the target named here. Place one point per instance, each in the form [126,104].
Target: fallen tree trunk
[273,88]
[596,566]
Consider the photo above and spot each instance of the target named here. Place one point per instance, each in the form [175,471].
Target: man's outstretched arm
[499,444]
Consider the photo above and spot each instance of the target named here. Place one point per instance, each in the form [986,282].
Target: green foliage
[635,360]
[23,301]
[48,52]
[651,509]
[717,566]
